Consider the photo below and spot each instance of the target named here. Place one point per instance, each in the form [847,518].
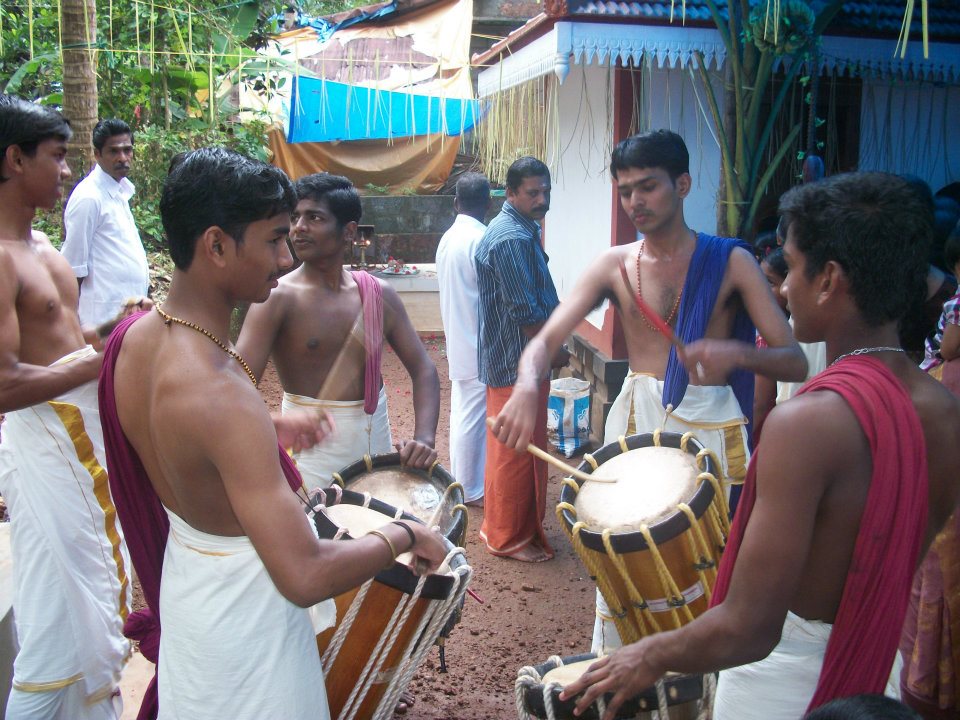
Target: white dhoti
[710,412]
[232,646]
[71,588]
[780,686]
[468,435]
[357,434]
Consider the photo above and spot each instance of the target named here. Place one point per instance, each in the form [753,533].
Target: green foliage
[155,147]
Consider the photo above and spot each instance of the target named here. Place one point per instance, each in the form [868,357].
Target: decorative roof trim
[671,47]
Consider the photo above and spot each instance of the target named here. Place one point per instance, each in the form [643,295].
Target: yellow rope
[670,589]
[622,442]
[699,550]
[640,608]
[591,460]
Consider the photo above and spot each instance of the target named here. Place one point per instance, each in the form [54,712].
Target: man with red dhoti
[850,483]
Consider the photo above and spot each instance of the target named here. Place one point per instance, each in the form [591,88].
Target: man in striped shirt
[516,297]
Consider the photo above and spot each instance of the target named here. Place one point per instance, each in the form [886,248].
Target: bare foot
[532,554]
[404,703]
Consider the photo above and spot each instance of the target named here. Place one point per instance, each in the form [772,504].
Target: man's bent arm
[259,332]
[782,360]
[404,340]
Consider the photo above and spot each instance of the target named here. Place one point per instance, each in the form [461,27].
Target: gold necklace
[676,305]
[167,319]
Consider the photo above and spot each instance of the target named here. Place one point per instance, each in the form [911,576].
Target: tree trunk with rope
[79,22]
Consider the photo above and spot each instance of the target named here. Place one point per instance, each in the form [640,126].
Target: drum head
[415,491]
[651,482]
[679,689]
[666,522]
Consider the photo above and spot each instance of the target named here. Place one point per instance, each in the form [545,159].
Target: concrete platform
[421,297]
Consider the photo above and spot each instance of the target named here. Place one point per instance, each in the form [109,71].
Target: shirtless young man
[242,559]
[310,326]
[71,589]
[851,481]
[711,289]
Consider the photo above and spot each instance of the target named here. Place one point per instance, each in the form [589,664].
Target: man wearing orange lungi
[516,297]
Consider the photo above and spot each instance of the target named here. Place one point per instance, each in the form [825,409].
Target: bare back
[177,393]
[44,296]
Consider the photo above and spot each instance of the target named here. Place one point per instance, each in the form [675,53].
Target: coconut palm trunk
[79,22]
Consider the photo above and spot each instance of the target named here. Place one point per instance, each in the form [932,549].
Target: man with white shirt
[101,242]
[459,301]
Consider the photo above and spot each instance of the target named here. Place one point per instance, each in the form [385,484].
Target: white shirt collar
[123,189]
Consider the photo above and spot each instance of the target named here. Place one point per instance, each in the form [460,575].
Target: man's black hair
[106,129]
[765,244]
[777,262]
[863,707]
[337,191]
[473,193]
[26,125]
[654,149]
[876,227]
[523,168]
[218,187]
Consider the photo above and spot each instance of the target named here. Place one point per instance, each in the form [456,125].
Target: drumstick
[648,312]
[558,463]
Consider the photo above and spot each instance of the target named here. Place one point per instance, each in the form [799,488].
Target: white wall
[909,127]
[579,224]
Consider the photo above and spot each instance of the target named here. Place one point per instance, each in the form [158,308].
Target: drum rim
[397,576]
[667,529]
[691,684]
[388,460]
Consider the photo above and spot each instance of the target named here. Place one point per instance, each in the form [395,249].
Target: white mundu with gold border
[71,591]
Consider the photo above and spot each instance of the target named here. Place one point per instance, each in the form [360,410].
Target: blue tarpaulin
[322,111]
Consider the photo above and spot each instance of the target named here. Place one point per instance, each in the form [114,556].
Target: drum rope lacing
[422,639]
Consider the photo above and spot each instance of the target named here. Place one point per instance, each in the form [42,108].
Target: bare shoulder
[742,267]
[799,427]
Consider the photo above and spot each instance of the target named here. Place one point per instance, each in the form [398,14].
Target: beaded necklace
[167,319]
[676,305]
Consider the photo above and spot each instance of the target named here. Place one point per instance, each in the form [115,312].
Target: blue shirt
[515,289]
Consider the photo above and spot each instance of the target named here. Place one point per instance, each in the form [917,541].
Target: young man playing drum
[712,292]
[853,478]
[325,357]
[200,480]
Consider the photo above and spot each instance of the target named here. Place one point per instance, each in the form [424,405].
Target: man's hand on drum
[710,361]
[302,429]
[625,674]
[428,549]
[515,424]
[416,453]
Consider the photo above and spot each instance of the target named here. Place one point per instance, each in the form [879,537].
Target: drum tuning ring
[676,602]
[704,564]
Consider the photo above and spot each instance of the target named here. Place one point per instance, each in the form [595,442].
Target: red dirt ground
[530,612]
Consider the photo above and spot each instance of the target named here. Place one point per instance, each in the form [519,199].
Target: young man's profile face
[115,157]
[314,231]
[532,198]
[45,172]
[800,292]
[649,197]
[263,257]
